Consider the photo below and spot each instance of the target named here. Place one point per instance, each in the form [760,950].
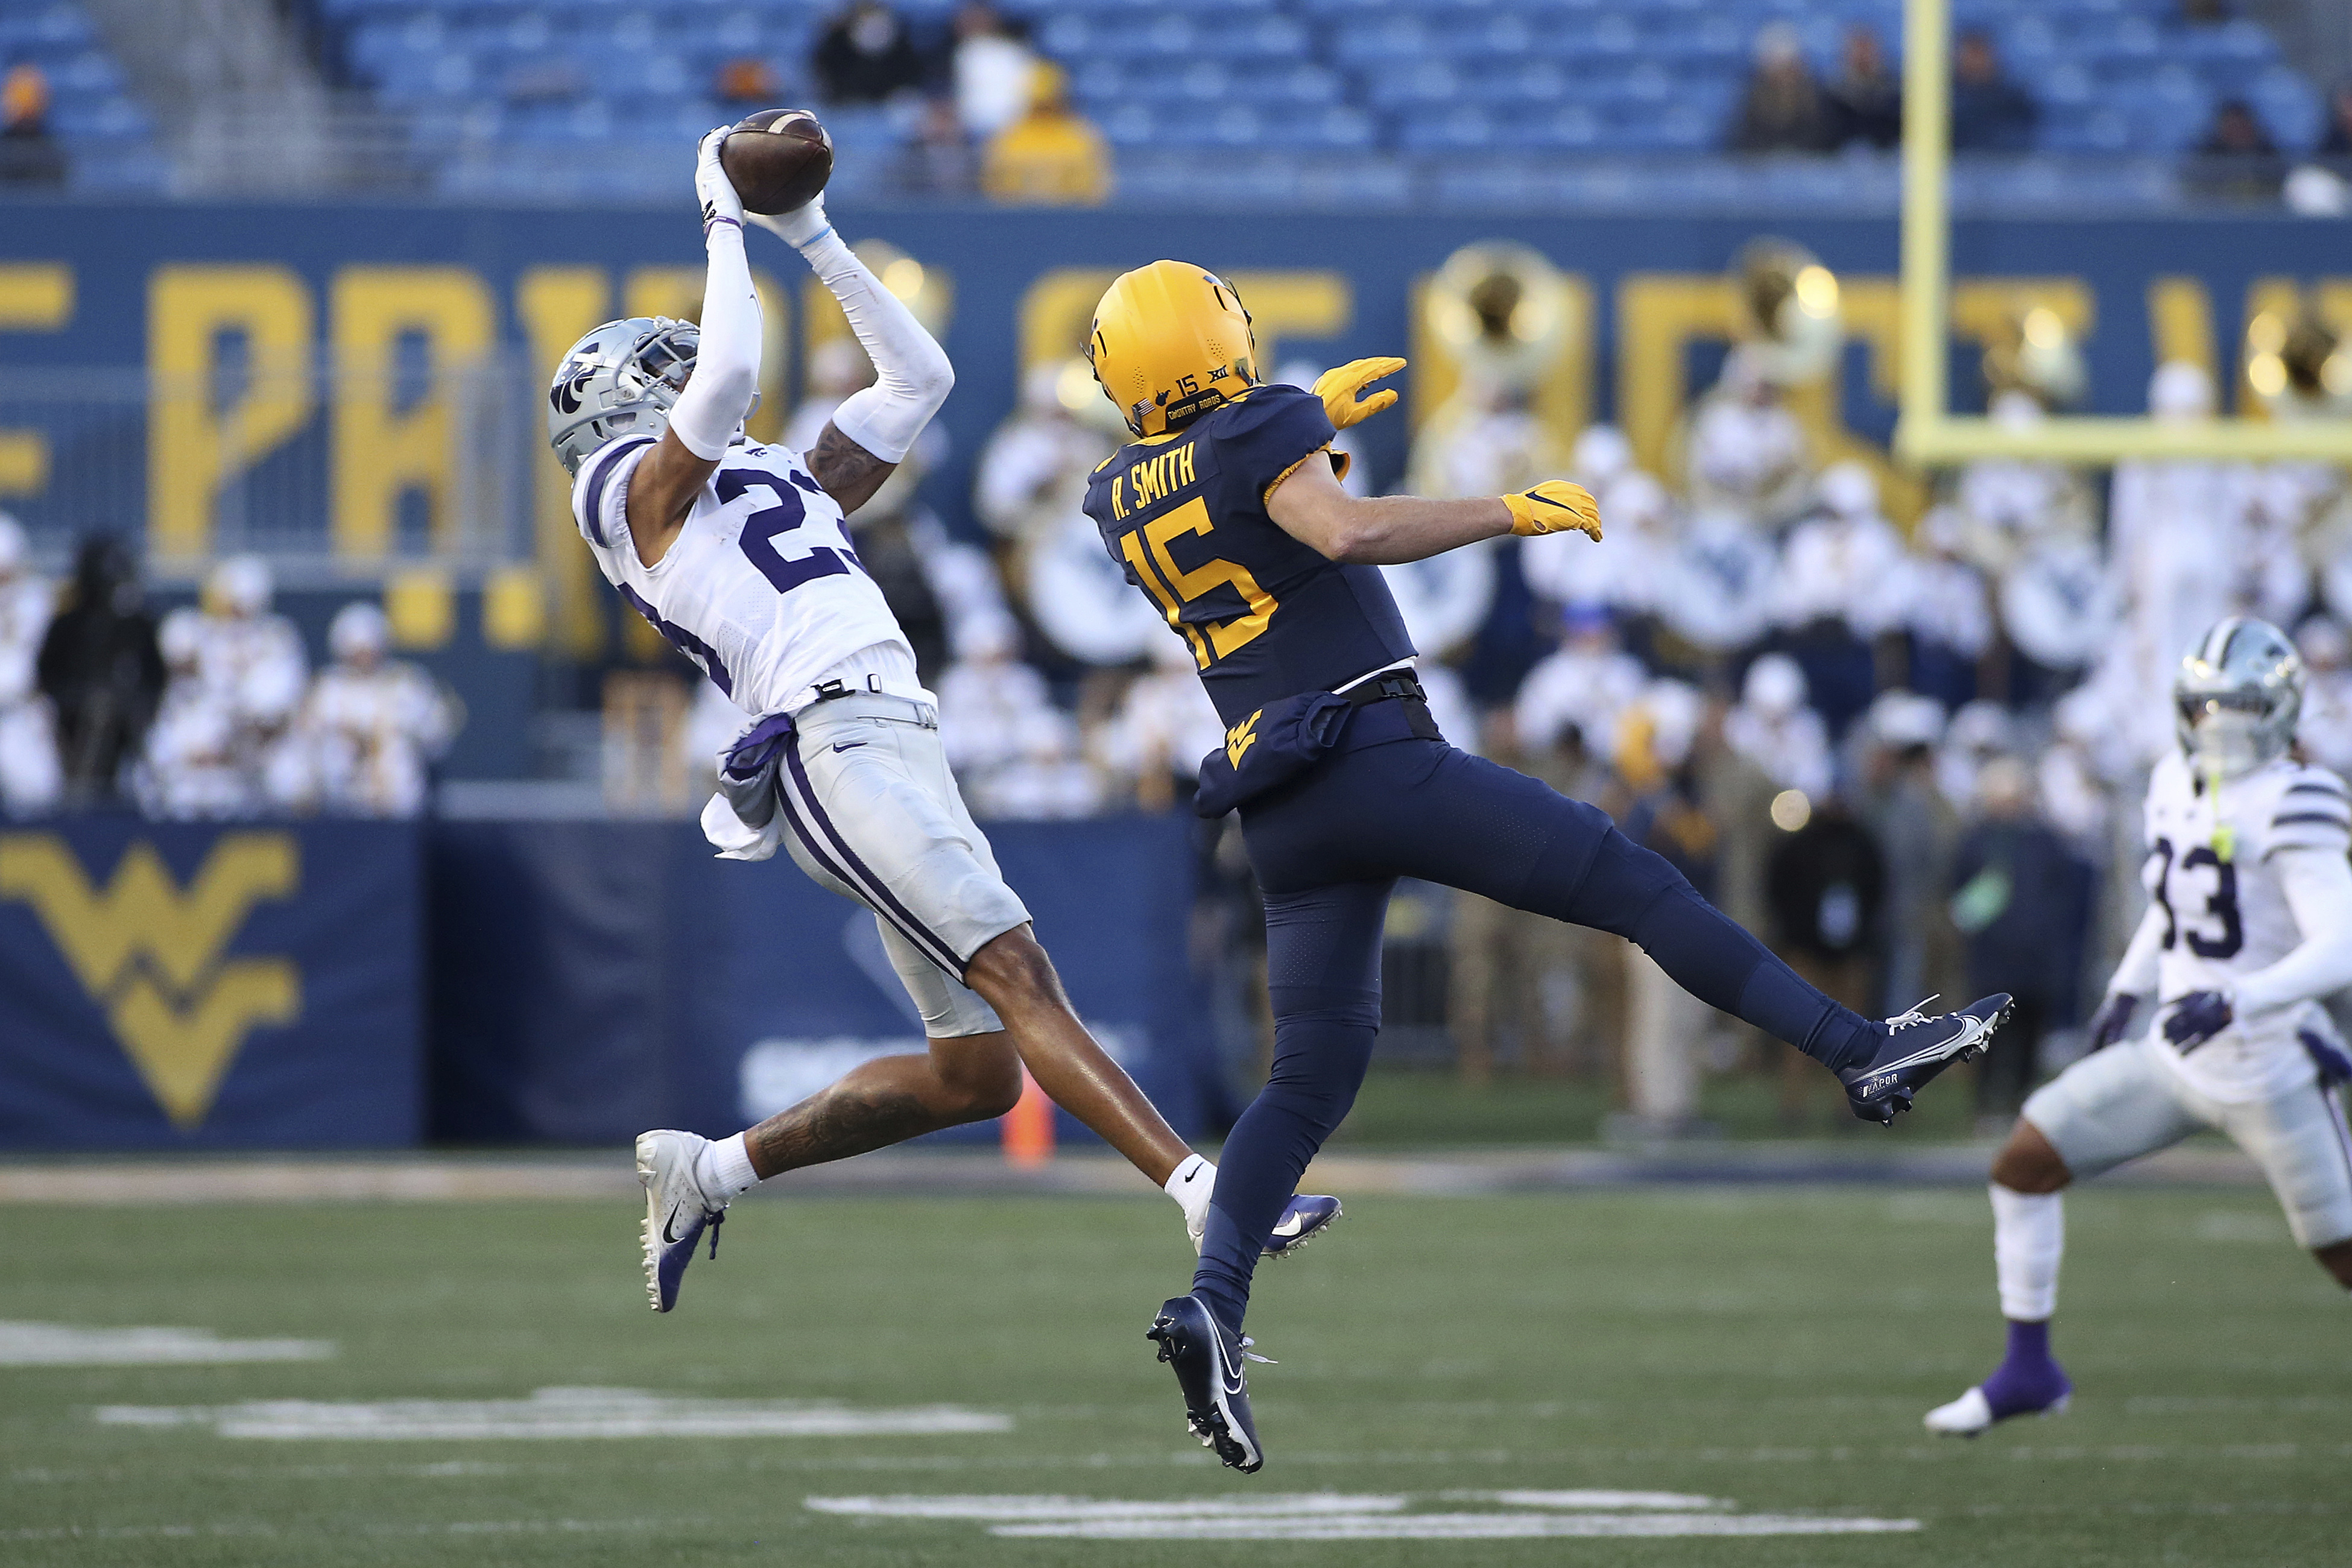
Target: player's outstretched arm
[873,429]
[726,373]
[1388,531]
[2318,887]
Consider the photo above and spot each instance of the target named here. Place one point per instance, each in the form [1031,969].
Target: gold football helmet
[1171,342]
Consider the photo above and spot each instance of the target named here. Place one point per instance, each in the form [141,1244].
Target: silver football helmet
[619,380]
[2237,697]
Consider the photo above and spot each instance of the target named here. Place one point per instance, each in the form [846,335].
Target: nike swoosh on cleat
[1290,1224]
[669,1226]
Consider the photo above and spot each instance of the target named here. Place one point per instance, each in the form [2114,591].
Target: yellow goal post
[1925,431]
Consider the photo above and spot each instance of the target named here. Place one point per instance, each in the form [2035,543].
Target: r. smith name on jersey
[2225,913]
[761,589]
[1265,617]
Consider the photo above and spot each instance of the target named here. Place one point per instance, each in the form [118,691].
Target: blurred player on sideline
[30,778]
[736,554]
[2251,925]
[1227,510]
[374,724]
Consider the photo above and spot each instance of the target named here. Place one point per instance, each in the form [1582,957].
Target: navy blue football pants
[1329,849]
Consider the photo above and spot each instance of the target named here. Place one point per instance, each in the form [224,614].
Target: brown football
[777,159]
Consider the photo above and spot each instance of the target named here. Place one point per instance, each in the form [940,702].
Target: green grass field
[1770,1348]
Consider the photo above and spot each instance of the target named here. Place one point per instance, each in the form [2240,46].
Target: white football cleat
[1971,1413]
[676,1211]
[1963,1417]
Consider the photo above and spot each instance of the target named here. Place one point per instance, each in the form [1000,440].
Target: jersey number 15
[1211,640]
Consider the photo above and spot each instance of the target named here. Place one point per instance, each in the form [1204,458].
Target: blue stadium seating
[108,136]
[1525,80]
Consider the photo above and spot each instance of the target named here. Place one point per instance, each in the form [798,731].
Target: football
[777,159]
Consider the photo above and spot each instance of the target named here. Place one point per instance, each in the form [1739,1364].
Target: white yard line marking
[482,1527]
[1070,1509]
[557,1413]
[1454,1527]
[1329,1516]
[67,1344]
[1587,1498]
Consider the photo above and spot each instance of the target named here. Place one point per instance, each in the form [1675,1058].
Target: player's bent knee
[981,1075]
[1012,970]
[2028,1163]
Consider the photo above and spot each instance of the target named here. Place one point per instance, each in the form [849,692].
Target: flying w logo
[149,953]
[1241,738]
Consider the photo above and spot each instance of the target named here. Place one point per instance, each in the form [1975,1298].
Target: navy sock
[1318,1064]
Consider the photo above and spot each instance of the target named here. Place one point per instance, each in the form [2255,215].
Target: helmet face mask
[2237,698]
[619,380]
[1168,342]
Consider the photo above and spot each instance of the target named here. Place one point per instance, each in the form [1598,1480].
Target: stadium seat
[1458,129]
[1641,78]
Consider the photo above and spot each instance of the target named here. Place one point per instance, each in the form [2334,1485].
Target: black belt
[1398,685]
[1388,686]
[830,691]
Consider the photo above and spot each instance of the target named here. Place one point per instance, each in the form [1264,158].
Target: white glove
[711,186]
[800,227]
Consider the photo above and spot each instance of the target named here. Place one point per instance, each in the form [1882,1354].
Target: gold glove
[1554,506]
[1340,388]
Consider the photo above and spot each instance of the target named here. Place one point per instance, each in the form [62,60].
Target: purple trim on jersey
[2316,787]
[592,513]
[685,641]
[880,894]
[2329,817]
[800,830]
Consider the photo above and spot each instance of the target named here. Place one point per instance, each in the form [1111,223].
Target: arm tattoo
[849,473]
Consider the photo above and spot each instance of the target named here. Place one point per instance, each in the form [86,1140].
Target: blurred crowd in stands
[1911,758]
[1900,730]
[1786,108]
[985,112]
[211,713]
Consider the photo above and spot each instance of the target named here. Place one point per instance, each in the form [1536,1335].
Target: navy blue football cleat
[1918,1045]
[1208,1363]
[1308,1216]
[1305,1217]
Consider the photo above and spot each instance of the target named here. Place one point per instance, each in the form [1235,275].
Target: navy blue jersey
[1266,617]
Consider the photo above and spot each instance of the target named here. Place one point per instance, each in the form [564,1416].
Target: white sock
[1190,1185]
[2029,1236]
[723,1169]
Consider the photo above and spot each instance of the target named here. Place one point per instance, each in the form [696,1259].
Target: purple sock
[2027,1379]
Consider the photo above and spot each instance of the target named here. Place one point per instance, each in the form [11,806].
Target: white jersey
[761,589]
[26,604]
[2226,915]
[373,733]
